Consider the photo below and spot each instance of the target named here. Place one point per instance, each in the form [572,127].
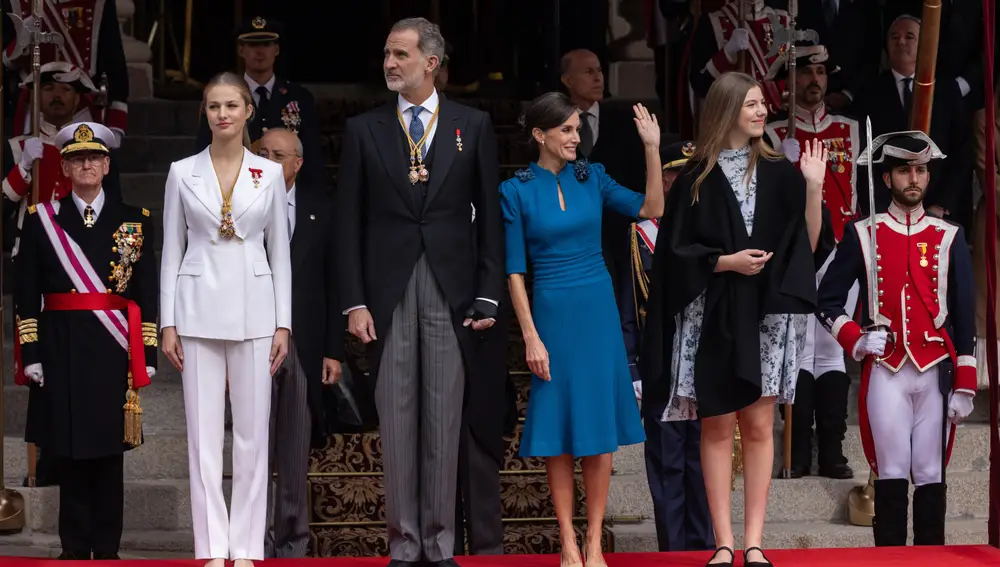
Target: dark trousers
[91,505]
[673,468]
[478,508]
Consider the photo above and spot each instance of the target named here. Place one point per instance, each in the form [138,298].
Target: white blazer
[216,288]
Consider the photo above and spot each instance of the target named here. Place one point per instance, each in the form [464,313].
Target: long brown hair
[721,113]
[230,79]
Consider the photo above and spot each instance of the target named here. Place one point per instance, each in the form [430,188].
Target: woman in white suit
[225,300]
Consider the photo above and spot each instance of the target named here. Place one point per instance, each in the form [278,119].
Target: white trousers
[822,352]
[907,422]
[218,534]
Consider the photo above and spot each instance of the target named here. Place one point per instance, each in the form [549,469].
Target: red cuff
[14,185]
[965,374]
[848,335]
[720,63]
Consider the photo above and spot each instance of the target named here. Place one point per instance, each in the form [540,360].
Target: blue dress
[589,407]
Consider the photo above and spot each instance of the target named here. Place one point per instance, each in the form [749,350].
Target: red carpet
[948,556]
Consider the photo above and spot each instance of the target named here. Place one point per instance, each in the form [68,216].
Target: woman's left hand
[648,127]
[813,162]
[279,349]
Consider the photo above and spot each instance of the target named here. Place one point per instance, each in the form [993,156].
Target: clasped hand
[871,343]
[748,262]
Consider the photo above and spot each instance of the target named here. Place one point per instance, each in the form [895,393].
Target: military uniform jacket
[634,291]
[85,369]
[841,137]
[52,184]
[709,61]
[292,107]
[92,41]
[925,296]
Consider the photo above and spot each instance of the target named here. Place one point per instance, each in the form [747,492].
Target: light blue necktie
[416,125]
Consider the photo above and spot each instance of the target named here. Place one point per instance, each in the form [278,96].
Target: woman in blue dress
[582,403]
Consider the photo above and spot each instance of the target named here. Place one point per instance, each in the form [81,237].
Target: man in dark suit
[608,137]
[420,246]
[888,100]
[316,351]
[278,102]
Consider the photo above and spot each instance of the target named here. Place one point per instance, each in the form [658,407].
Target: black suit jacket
[317,323]
[381,234]
[951,178]
[292,107]
[854,40]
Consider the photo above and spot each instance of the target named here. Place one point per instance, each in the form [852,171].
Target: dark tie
[586,134]
[88,217]
[417,126]
[829,12]
[907,96]
[262,104]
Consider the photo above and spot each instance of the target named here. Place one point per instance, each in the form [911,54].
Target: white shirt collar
[594,110]
[899,77]
[98,203]
[269,85]
[291,196]
[430,105]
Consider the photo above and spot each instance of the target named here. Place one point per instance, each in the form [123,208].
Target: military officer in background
[823,383]
[86,301]
[673,459]
[918,369]
[278,102]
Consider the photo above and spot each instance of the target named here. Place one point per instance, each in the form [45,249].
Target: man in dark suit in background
[316,350]
[420,246]
[278,103]
[888,100]
[608,137]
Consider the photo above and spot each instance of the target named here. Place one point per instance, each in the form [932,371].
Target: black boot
[802,424]
[831,424]
[892,499]
[929,503]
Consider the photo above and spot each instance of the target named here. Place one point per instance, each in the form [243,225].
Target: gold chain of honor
[418,171]
[227,229]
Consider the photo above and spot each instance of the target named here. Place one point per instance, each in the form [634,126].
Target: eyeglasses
[81,160]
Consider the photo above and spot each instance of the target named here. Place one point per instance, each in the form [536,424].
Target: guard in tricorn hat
[278,102]
[680,504]
[918,368]
[86,308]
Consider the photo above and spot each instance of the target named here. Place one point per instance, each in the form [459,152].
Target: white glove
[739,41]
[792,150]
[637,388]
[34,372]
[959,406]
[870,343]
[150,371]
[32,151]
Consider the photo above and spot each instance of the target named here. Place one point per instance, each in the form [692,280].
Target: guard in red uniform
[823,384]
[919,370]
[719,38]
[92,41]
[86,306]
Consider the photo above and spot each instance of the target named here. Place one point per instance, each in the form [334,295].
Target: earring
[543,142]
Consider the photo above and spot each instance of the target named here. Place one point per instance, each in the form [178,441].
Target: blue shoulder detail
[581,169]
[524,175]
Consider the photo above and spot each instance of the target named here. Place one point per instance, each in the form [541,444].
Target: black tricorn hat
[896,149]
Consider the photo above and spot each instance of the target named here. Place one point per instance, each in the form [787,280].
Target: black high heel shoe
[764,563]
[732,558]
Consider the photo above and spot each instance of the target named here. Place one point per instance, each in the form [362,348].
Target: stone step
[970,452]
[641,537]
[145,154]
[135,544]
[163,118]
[805,499]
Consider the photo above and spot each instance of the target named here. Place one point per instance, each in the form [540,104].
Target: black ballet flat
[764,563]
[732,558]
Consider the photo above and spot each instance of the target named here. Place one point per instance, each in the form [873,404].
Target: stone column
[632,74]
[137,54]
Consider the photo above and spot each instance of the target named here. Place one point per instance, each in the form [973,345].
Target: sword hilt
[890,339]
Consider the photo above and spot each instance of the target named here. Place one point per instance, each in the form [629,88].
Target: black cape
[691,239]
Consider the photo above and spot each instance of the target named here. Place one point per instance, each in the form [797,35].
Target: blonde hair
[229,79]
[721,113]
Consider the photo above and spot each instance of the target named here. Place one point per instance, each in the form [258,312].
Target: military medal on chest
[128,244]
[418,170]
[923,254]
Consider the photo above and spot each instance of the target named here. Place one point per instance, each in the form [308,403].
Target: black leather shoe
[105,556]
[840,471]
[799,471]
[399,563]
[764,563]
[450,562]
[732,558]
[75,555]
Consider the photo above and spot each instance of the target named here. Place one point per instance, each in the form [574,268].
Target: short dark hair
[549,110]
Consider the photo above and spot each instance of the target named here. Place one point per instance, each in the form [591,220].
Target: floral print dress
[782,336]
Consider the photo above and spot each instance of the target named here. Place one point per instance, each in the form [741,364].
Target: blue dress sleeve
[619,199]
[510,204]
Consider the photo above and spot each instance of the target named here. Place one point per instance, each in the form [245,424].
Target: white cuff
[490,300]
[348,310]
[963,86]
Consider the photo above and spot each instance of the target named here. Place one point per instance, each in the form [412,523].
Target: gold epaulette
[31,209]
[145,212]
[27,330]
[149,335]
